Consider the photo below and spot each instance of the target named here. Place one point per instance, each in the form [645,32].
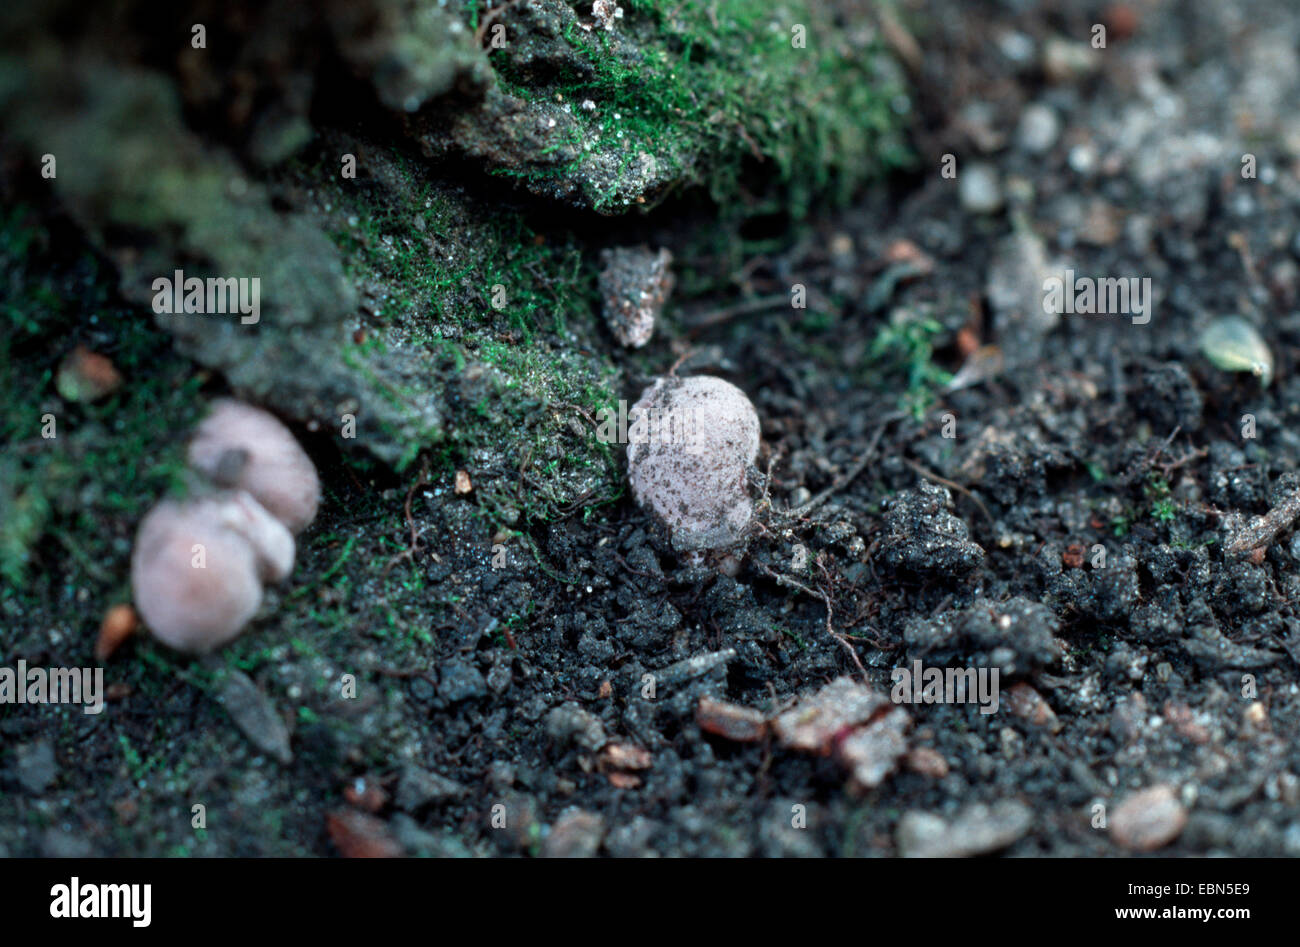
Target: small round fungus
[244,447]
[271,540]
[198,566]
[690,444]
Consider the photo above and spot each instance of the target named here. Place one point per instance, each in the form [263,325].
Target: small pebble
[577,834]
[1039,128]
[979,189]
[1148,820]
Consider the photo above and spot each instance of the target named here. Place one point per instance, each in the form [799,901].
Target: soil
[948,475]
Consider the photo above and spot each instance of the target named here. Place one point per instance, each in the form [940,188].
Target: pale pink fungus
[198,566]
[691,442]
[244,447]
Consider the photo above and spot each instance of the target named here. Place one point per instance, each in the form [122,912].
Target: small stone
[1014,287]
[979,120]
[632,840]
[1065,60]
[86,376]
[920,833]
[499,676]
[1234,345]
[813,724]
[731,721]
[840,246]
[417,788]
[623,756]
[254,714]
[1102,224]
[1039,128]
[463,484]
[976,830]
[1083,158]
[872,752]
[980,189]
[421,844]
[635,282]
[1184,722]
[693,667]
[459,680]
[36,766]
[1149,819]
[1016,46]
[926,761]
[357,835]
[1255,716]
[569,723]
[523,829]
[1026,703]
[577,834]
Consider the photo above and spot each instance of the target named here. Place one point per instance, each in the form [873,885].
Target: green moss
[707,87]
[497,309]
[70,495]
[902,355]
[1164,509]
[433,259]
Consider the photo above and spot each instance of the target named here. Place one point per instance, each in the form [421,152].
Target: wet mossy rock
[674,94]
[372,285]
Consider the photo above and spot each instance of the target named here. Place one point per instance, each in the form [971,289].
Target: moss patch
[705,90]
[74,495]
[498,311]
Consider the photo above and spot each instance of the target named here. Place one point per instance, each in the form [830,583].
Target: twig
[782,579]
[900,40]
[716,316]
[672,372]
[409,553]
[850,475]
[1263,530]
[1165,446]
[582,411]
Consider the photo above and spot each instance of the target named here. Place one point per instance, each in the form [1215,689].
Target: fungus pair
[199,565]
[690,446]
